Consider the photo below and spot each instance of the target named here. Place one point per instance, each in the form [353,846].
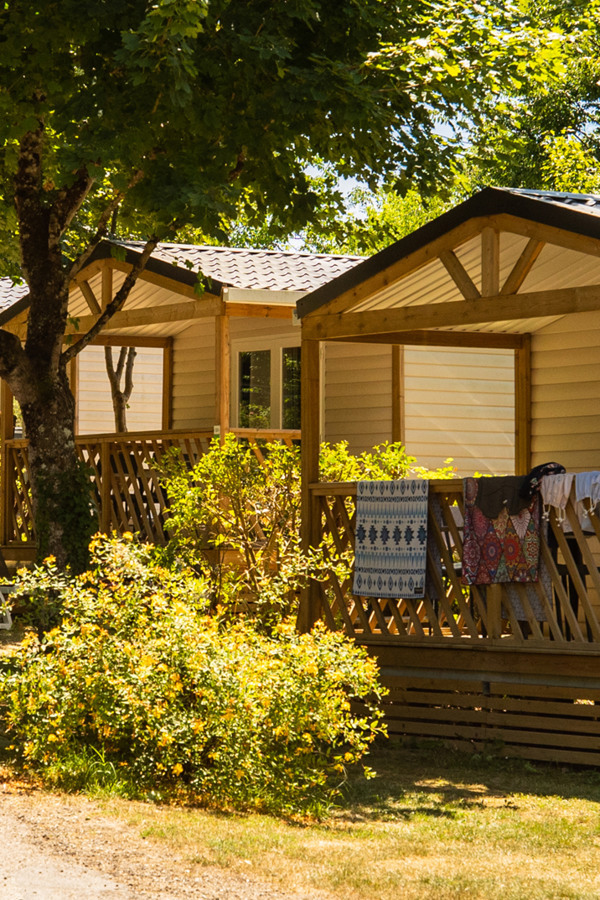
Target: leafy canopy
[537,138]
[185,111]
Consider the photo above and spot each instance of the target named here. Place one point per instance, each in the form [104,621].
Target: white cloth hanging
[555,491]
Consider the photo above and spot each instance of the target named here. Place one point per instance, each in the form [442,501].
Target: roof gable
[262,271]
[577,215]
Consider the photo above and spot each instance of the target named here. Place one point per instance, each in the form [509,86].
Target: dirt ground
[63,848]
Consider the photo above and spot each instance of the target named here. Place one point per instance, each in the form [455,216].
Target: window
[290,387]
[266,385]
[255,389]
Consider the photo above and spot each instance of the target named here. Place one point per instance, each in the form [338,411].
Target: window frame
[275,345]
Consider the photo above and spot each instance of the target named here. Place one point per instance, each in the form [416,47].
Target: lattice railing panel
[125,484]
[568,595]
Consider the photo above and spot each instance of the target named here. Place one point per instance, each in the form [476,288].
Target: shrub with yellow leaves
[139,686]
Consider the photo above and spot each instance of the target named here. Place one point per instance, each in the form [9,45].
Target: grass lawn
[433,824]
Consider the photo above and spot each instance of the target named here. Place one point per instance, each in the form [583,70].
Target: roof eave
[177,273]
[489,201]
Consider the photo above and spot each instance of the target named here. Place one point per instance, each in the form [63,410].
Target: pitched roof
[271,270]
[577,213]
[274,270]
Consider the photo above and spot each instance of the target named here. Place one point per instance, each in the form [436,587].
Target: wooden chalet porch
[462,665]
[125,482]
[514,269]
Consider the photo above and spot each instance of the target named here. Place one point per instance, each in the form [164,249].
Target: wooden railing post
[398,394]
[494,609]
[310,602]
[523,407]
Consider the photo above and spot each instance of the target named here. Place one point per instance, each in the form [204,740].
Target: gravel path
[64,848]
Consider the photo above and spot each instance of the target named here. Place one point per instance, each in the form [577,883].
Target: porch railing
[126,487]
[451,613]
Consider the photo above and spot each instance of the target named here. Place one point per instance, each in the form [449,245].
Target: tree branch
[121,363]
[67,203]
[12,355]
[128,389]
[103,223]
[115,304]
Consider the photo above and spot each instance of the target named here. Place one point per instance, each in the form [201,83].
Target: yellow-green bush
[238,519]
[140,678]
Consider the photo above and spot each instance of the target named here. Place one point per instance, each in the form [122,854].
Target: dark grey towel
[493,494]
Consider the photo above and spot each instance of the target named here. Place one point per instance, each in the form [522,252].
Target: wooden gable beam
[549,234]
[112,265]
[500,308]
[259,310]
[90,297]
[490,228]
[107,286]
[490,262]
[208,306]
[487,340]
[459,274]
[523,266]
[380,280]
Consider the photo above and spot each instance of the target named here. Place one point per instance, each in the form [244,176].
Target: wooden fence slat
[592,568]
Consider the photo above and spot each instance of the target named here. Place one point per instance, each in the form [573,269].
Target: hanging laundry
[391,538]
[493,494]
[555,491]
[587,495]
[502,549]
[532,482]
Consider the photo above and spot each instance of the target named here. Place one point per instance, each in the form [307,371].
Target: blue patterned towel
[391,538]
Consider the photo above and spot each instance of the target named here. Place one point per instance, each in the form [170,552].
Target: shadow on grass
[428,779]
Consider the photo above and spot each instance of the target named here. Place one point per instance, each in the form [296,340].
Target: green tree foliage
[184,112]
[373,221]
[549,139]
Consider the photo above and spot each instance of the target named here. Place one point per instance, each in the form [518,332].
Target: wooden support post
[310,602]
[397,393]
[523,407]
[107,286]
[73,384]
[490,262]
[167,394]
[223,376]
[7,431]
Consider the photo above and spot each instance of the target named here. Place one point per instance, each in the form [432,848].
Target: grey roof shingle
[589,203]
[10,293]
[271,270]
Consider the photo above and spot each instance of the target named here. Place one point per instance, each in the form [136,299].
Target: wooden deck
[465,665]
[125,483]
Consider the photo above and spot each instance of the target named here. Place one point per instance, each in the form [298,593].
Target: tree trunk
[60,486]
[120,395]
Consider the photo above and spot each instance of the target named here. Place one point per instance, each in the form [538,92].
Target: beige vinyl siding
[194,376]
[565,376]
[460,404]
[194,364]
[96,414]
[258,327]
[357,394]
